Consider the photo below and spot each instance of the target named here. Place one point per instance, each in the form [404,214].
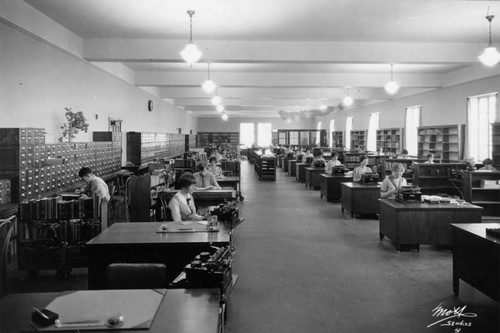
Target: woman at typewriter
[307,154]
[334,162]
[205,180]
[213,168]
[391,184]
[182,204]
[361,169]
[318,161]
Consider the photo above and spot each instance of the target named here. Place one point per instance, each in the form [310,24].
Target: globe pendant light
[191,54]
[490,57]
[348,100]
[216,100]
[224,116]
[392,86]
[209,85]
[220,108]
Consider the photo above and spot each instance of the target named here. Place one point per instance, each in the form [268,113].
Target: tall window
[412,123]
[481,112]
[332,129]
[247,137]
[317,140]
[264,134]
[348,129]
[372,131]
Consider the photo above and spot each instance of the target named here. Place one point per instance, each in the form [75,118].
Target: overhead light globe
[191,54]
[216,100]
[209,86]
[490,57]
[392,87]
[220,108]
[224,117]
[348,100]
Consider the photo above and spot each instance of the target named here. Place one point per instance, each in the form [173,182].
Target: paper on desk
[202,222]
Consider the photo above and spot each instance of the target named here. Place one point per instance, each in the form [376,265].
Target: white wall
[233,124]
[446,106]
[38,80]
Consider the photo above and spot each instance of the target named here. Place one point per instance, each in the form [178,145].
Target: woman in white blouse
[361,169]
[182,205]
[393,183]
[334,162]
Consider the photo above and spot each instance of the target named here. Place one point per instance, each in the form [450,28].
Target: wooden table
[207,198]
[300,171]
[312,177]
[181,310]
[231,181]
[330,185]
[138,242]
[476,258]
[412,224]
[292,165]
[360,199]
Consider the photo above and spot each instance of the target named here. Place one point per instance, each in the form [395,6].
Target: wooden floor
[306,267]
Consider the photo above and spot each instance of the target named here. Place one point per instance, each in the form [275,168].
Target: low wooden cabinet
[300,173]
[330,185]
[312,177]
[360,199]
[292,167]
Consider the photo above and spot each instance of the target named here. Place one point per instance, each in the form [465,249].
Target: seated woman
[361,169]
[488,165]
[205,180]
[319,161]
[182,204]
[213,168]
[307,154]
[393,183]
[334,162]
[430,159]
[404,155]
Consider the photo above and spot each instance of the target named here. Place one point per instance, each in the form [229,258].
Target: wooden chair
[138,198]
[6,228]
[116,202]
[136,276]
[166,214]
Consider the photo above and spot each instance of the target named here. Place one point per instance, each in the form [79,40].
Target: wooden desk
[138,242]
[292,167]
[207,198]
[284,166]
[412,224]
[360,199]
[476,258]
[231,181]
[181,310]
[300,171]
[312,177]
[330,185]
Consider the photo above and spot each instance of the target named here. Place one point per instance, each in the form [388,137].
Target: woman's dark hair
[186,179]
[318,153]
[201,166]
[405,152]
[334,153]
[212,158]
[84,172]
[362,158]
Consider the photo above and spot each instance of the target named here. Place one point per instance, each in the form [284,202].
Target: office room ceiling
[272,55]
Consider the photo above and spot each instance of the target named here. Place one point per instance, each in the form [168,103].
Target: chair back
[135,276]
[6,228]
[139,198]
[164,198]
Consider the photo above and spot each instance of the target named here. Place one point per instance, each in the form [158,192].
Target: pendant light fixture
[209,85]
[220,108]
[216,100]
[490,56]
[392,86]
[191,54]
[224,116]
[348,100]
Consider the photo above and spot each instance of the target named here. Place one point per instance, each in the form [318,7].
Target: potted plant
[75,122]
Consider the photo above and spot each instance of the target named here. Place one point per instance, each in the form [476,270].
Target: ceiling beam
[158,50]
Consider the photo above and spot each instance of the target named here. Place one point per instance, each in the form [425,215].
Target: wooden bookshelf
[435,178]
[358,138]
[442,141]
[337,139]
[390,140]
[495,132]
[208,139]
[351,160]
[488,198]
[145,147]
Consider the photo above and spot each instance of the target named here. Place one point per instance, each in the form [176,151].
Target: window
[247,137]
[264,134]
[481,112]
[348,129]
[332,129]
[372,131]
[294,138]
[304,138]
[412,123]
[317,139]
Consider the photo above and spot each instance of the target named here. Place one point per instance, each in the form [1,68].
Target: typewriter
[409,194]
[211,270]
[369,179]
[457,174]
[339,170]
